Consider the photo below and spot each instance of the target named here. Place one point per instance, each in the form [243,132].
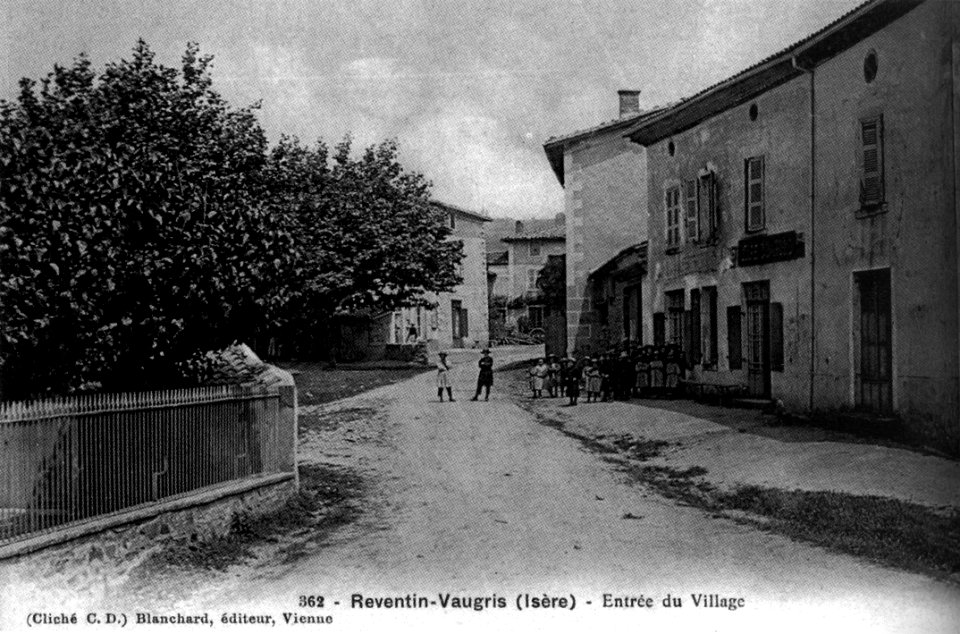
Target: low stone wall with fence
[108,477]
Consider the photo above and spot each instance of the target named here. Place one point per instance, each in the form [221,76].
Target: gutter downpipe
[813,225]
[955,112]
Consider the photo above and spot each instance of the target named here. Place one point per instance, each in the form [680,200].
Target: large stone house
[605,185]
[803,233]
[517,251]
[459,319]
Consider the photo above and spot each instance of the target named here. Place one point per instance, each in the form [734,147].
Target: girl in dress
[538,375]
[443,377]
[593,379]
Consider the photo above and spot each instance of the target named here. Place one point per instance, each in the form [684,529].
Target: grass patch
[317,384]
[893,532]
[330,421]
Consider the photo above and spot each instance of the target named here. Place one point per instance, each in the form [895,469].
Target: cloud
[477,162]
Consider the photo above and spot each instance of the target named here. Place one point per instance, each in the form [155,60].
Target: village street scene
[536,316]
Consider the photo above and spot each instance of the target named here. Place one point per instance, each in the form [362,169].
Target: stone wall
[93,560]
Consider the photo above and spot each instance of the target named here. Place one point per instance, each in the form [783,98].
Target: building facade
[459,319]
[515,257]
[803,221]
[605,202]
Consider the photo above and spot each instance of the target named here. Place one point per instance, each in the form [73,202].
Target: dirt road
[478,499]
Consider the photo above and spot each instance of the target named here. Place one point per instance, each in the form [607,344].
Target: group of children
[643,371]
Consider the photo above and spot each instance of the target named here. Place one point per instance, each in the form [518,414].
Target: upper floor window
[871,164]
[693,218]
[674,237]
[753,172]
[532,279]
[534,249]
[709,211]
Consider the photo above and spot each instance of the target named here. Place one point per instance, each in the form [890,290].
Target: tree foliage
[144,219]
[552,281]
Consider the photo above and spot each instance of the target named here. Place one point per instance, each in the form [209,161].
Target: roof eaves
[461,210]
[815,48]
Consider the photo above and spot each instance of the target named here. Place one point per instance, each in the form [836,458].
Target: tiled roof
[554,146]
[558,233]
[786,64]
[466,212]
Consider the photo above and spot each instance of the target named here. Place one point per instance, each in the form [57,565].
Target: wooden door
[874,375]
[758,339]
[455,323]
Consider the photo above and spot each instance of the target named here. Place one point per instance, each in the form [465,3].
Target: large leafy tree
[143,220]
[132,230]
[368,236]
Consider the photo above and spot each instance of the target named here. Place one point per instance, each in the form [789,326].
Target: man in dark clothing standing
[485,380]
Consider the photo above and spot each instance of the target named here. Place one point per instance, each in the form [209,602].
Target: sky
[471,90]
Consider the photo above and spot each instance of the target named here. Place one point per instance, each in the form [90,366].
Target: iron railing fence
[68,459]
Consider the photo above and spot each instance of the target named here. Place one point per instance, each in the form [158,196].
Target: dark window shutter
[694,337]
[734,338]
[776,337]
[712,325]
[659,329]
[688,349]
[871,174]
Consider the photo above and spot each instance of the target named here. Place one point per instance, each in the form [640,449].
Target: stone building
[605,186]
[803,221]
[617,294]
[517,251]
[459,318]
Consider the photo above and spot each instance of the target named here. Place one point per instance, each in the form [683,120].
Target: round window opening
[754,112]
[671,148]
[870,66]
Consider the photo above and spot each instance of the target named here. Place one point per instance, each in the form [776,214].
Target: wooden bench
[724,392]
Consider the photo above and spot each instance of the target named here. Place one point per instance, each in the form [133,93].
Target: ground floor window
[674,302]
[535,315]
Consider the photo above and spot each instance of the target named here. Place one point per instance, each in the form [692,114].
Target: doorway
[757,295]
[458,322]
[875,352]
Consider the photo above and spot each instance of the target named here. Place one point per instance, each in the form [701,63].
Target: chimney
[629,102]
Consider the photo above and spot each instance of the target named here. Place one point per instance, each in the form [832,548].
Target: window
[534,249]
[734,338]
[674,237]
[753,193]
[693,220]
[871,165]
[675,319]
[707,205]
[709,299]
[535,315]
[870,67]
[532,279]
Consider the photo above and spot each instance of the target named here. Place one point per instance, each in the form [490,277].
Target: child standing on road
[573,376]
[485,380]
[443,377]
[593,380]
[538,375]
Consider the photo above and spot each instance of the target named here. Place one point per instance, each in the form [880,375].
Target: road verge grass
[887,531]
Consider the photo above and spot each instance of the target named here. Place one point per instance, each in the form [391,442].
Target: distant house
[517,251]
[460,317]
[604,177]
